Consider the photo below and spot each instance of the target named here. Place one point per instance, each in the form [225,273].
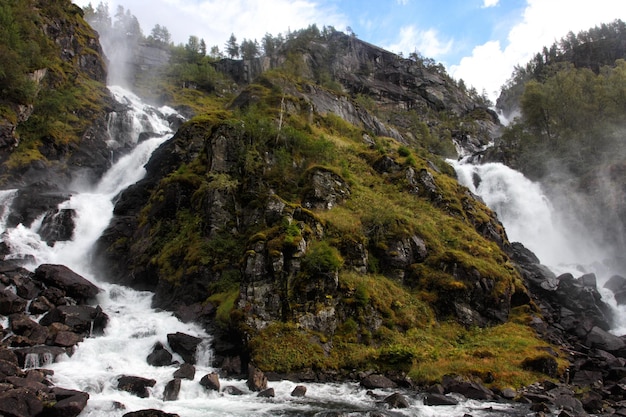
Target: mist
[120,37]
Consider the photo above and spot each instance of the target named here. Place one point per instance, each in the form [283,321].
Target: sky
[478,41]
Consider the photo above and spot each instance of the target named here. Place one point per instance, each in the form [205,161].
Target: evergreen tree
[232,47]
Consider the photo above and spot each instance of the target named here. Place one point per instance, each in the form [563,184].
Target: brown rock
[257,381]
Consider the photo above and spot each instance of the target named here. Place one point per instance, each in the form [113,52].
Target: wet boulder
[57,226]
[20,402]
[257,381]
[83,319]
[136,385]
[185,345]
[150,413]
[68,403]
[62,277]
[186,371]
[11,303]
[172,389]
[211,382]
[159,356]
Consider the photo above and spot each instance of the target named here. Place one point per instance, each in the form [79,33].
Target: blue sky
[479,41]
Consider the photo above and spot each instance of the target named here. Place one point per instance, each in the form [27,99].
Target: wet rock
[81,319]
[257,381]
[38,355]
[24,326]
[159,356]
[150,413]
[299,391]
[396,400]
[172,389]
[8,369]
[604,340]
[186,371]
[185,345]
[375,381]
[267,393]
[62,277]
[231,390]
[57,226]
[11,303]
[135,385]
[69,403]
[439,399]
[40,305]
[20,402]
[66,339]
[616,283]
[211,382]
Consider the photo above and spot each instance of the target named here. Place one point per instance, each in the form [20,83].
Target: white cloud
[402,2]
[426,42]
[215,20]
[490,3]
[543,22]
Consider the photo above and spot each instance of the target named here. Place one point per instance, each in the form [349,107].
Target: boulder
[11,303]
[469,389]
[601,339]
[20,402]
[69,403]
[185,345]
[66,339]
[257,381]
[616,283]
[81,319]
[57,226]
[267,393]
[299,391]
[375,381]
[186,371]
[439,399]
[136,385]
[24,326]
[211,382]
[172,389]
[159,356]
[396,400]
[62,277]
[231,390]
[150,413]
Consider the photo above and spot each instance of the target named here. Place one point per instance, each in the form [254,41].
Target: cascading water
[559,241]
[134,327]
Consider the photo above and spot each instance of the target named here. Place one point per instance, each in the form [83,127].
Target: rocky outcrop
[28,344]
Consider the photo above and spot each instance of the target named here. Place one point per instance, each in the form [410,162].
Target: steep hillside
[304,214]
[54,101]
[309,225]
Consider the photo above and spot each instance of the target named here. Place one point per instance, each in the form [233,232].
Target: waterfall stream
[559,241]
[134,327]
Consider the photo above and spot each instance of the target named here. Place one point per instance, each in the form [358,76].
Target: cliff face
[60,127]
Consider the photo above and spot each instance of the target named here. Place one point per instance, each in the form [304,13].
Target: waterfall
[559,240]
[134,327]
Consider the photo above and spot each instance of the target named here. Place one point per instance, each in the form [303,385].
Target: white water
[134,327]
[560,242]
